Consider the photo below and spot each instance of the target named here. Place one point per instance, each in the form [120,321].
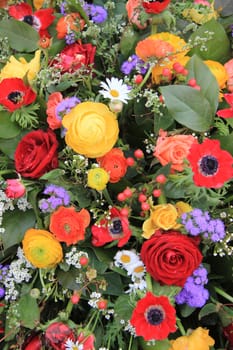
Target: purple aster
[57,196]
[96,13]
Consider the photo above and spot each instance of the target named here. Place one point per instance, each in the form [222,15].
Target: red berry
[178,68]
[102,304]
[130,161]
[156,193]
[124,211]
[142,198]
[161,99]
[75,298]
[185,72]
[138,79]
[192,82]
[127,192]
[161,179]
[138,154]
[145,206]
[121,197]
[83,260]
[197,87]
[166,72]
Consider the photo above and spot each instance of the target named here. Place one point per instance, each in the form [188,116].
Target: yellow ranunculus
[92,129]
[41,248]
[198,339]
[164,216]
[219,71]
[21,68]
[97,178]
[199,17]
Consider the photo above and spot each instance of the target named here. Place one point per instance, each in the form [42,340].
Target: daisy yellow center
[138,269]
[114,93]
[125,258]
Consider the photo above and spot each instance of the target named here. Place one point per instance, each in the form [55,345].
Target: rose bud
[14,188]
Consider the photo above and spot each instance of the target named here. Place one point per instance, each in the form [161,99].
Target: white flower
[70,345]
[115,90]
[137,270]
[126,258]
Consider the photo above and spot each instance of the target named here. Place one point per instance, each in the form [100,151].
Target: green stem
[162,199]
[130,342]
[107,196]
[181,327]
[149,282]
[146,77]
[91,319]
[9,171]
[223,294]
[69,308]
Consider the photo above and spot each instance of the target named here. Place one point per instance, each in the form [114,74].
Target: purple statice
[57,196]
[134,63]
[96,13]
[65,106]
[194,293]
[198,222]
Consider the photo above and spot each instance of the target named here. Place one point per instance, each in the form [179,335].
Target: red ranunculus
[170,257]
[74,57]
[57,334]
[14,94]
[36,153]
[155,6]
[110,229]
[14,188]
[114,162]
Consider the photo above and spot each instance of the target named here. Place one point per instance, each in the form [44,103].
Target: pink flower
[15,188]
[229,68]
[202,2]
[227,112]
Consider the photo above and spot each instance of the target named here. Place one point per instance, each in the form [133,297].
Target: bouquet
[116,125]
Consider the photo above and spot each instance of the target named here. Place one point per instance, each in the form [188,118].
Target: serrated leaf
[123,307]
[8,128]
[188,107]
[218,48]
[29,312]
[205,79]
[207,310]
[21,36]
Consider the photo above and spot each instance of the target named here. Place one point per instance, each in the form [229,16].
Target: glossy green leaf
[226,142]
[128,41]
[22,37]
[8,128]
[205,79]
[29,311]
[218,48]
[207,310]
[188,107]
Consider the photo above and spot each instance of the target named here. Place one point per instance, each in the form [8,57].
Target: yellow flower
[164,216]
[92,129]
[41,248]
[21,68]
[198,339]
[38,4]
[97,178]
[200,17]
[180,49]
[219,71]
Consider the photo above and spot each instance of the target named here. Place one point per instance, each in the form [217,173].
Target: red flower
[228,333]
[154,317]
[155,6]
[228,112]
[40,20]
[34,344]
[86,341]
[114,162]
[211,165]
[14,94]
[57,334]
[171,257]
[36,154]
[14,188]
[108,230]
[53,101]
[74,57]
[68,225]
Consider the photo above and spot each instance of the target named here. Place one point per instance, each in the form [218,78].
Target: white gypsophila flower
[23,204]
[115,90]
[94,299]
[125,258]
[70,345]
[139,284]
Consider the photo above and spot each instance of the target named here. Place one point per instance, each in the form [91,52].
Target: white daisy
[115,90]
[136,270]
[70,345]
[126,258]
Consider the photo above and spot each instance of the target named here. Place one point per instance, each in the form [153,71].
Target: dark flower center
[116,226]
[154,315]
[15,97]
[155,1]
[28,19]
[208,165]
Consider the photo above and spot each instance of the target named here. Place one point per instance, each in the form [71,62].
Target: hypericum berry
[161,179]
[142,198]
[156,193]
[102,304]
[161,99]
[138,153]
[178,68]
[138,79]
[121,197]
[83,260]
[130,161]
[145,206]
[124,211]
[127,192]
[75,298]
[166,72]
[192,82]
[185,72]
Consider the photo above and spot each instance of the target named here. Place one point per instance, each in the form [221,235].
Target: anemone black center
[116,226]
[154,315]
[208,165]
[15,97]
[28,19]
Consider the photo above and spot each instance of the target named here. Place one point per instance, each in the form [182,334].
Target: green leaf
[207,310]
[159,345]
[29,312]
[15,224]
[8,128]
[226,142]
[22,37]
[218,48]
[128,41]
[123,307]
[67,278]
[188,107]
[205,79]
[53,175]
[114,284]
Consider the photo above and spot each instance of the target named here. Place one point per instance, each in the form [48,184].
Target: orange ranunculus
[133,10]
[68,225]
[72,22]
[52,119]
[148,49]
[173,149]
[114,162]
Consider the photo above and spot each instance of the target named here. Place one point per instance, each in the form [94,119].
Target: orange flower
[68,225]
[229,68]
[52,119]
[148,49]
[133,10]
[114,162]
[70,22]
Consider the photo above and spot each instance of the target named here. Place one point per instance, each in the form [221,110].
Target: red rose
[14,188]
[74,57]
[155,6]
[36,154]
[57,334]
[171,257]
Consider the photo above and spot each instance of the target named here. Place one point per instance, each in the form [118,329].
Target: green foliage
[26,116]
[9,128]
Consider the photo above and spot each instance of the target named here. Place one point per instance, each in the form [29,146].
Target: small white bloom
[70,345]
[137,270]
[126,258]
[115,90]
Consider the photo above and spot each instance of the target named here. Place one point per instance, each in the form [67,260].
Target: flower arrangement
[116,124]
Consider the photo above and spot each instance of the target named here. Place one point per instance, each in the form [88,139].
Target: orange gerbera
[68,225]
[70,22]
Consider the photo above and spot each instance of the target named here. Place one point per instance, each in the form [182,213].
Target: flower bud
[15,188]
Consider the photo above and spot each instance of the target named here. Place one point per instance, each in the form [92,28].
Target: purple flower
[66,105]
[96,13]
[134,63]
[70,38]
[2,292]
[57,196]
